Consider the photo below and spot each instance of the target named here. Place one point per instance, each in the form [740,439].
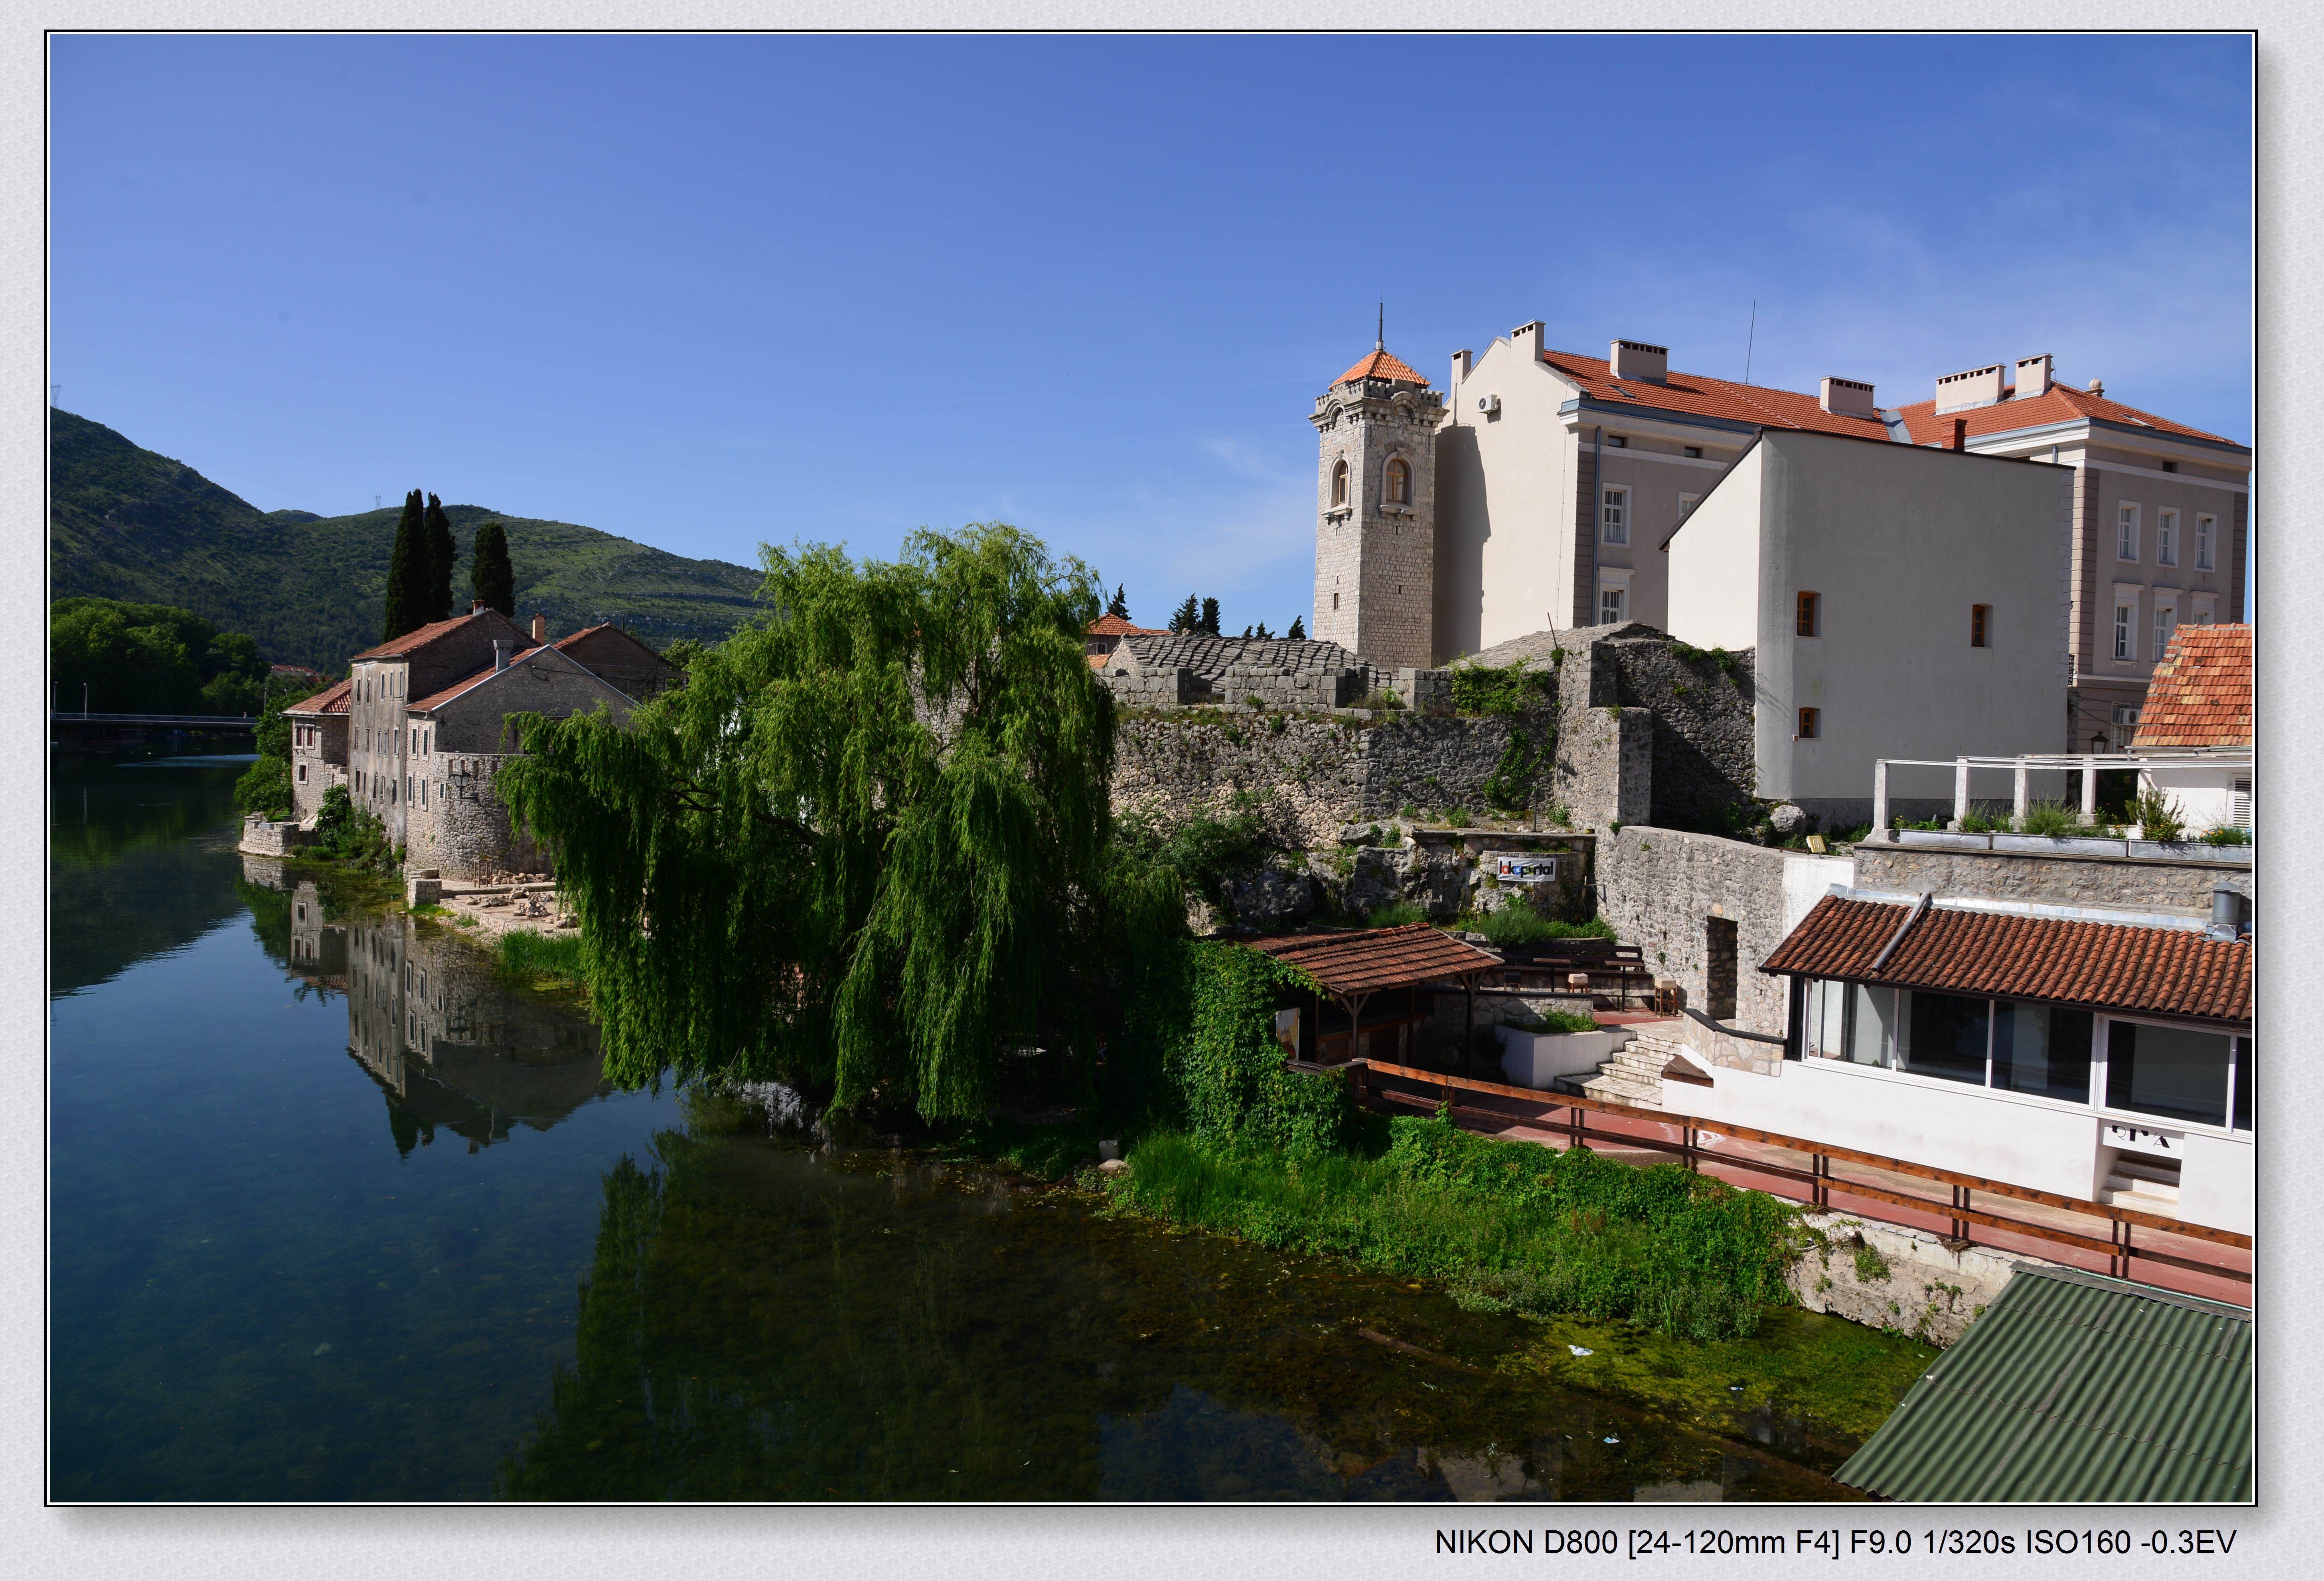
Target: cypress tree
[1120,605]
[442,552]
[1186,617]
[491,578]
[1209,625]
[407,573]
[1298,632]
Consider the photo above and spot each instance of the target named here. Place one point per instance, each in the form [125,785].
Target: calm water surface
[336,1214]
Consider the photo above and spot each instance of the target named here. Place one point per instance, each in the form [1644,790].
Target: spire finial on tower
[1379,341]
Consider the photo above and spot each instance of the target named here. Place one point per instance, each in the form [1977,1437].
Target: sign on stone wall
[1525,868]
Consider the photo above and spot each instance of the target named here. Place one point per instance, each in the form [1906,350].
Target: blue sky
[707,292]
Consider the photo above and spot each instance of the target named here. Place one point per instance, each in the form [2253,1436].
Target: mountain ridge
[128,523]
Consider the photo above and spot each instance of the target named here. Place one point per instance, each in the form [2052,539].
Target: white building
[1902,602]
[2199,704]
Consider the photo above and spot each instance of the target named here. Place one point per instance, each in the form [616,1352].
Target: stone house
[1105,634]
[419,728]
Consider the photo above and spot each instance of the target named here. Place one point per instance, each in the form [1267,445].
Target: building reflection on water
[452,1046]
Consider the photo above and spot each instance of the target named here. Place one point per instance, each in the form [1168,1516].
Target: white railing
[2024,767]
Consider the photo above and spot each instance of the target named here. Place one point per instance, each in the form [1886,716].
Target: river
[337,1213]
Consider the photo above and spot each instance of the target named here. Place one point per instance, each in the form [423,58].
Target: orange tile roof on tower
[2105,966]
[1368,960]
[1703,396]
[2201,692]
[1382,364]
[2058,404]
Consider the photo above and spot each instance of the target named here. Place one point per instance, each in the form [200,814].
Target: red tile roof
[1372,959]
[1703,396]
[2058,404]
[2201,692]
[2106,966]
[330,700]
[411,641]
[1381,364]
[1115,626]
[475,678]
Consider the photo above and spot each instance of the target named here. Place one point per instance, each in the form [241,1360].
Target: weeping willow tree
[865,845]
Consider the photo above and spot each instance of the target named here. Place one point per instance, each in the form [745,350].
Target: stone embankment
[494,903]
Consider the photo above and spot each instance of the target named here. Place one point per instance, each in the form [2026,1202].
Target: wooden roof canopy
[1369,959]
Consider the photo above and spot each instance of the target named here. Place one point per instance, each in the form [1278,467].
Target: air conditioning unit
[1491,405]
[2125,715]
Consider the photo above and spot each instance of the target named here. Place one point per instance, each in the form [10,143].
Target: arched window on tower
[1339,485]
[1399,483]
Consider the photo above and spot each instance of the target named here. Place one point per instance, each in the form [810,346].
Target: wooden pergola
[1355,969]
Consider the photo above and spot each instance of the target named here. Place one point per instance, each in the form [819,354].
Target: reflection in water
[765,1322]
[452,1045]
[133,864]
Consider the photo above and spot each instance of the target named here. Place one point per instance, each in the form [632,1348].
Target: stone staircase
[1634,1075]
[2140,1182]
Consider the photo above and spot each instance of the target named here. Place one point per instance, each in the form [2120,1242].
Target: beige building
[419,728]
[2162,521]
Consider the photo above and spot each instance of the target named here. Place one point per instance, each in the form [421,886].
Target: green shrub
[1871,1267]
[1456,817]
[347,833]
[2156,815]
[1397,915]
[264,788]
[1509,689]
[1379,699]
[1517,924]
[2052,818]
[2226,834]
[1561,1021]
[553,957]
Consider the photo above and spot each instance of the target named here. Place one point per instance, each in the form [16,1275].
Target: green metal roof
[2074,1389]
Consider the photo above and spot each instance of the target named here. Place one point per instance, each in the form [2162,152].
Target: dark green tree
[1118,605]
[1298,632]
[491,578]
[442,554]
[861,847]
[408,597]
[1208,624]
[1187,617]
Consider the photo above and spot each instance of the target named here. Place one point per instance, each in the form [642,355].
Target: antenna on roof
[1750,340]
[1379,342]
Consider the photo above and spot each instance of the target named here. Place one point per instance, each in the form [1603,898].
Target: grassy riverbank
[1505,1226]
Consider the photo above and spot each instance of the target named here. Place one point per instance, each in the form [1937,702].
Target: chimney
[540,628]
[1977,387]
[2033,376]
[1845,398]
[1527,337]
[1635,359]
[500,653]
[475,606]
[1461,362]
[2226,912]
[2098,387]
[1960,433]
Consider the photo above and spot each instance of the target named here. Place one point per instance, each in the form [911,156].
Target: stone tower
[1376,511]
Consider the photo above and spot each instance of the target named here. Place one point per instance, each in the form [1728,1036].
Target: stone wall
[463,829]
[1660,888]
[2122,882]
[1604,772]
[1910,1282]
[1704,753]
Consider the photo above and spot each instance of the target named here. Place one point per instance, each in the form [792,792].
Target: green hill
[125,523]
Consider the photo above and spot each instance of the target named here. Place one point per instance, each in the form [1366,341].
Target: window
[1399,483]
[2172,1071]
[2125,617]
[1946,1036]
[2206,528]
[1339,484]
[1807,623]
[1695,451]
[1810,719]
[2170,466]
[302,774]
[1616,442]
[2126,539]
[1611,602]
[1980,625]
[1848,1021]
[2167,537]
[1614,516]
[1335,601]
[2042,1049]
[2166,622]
[1686,504]
[2239,805]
